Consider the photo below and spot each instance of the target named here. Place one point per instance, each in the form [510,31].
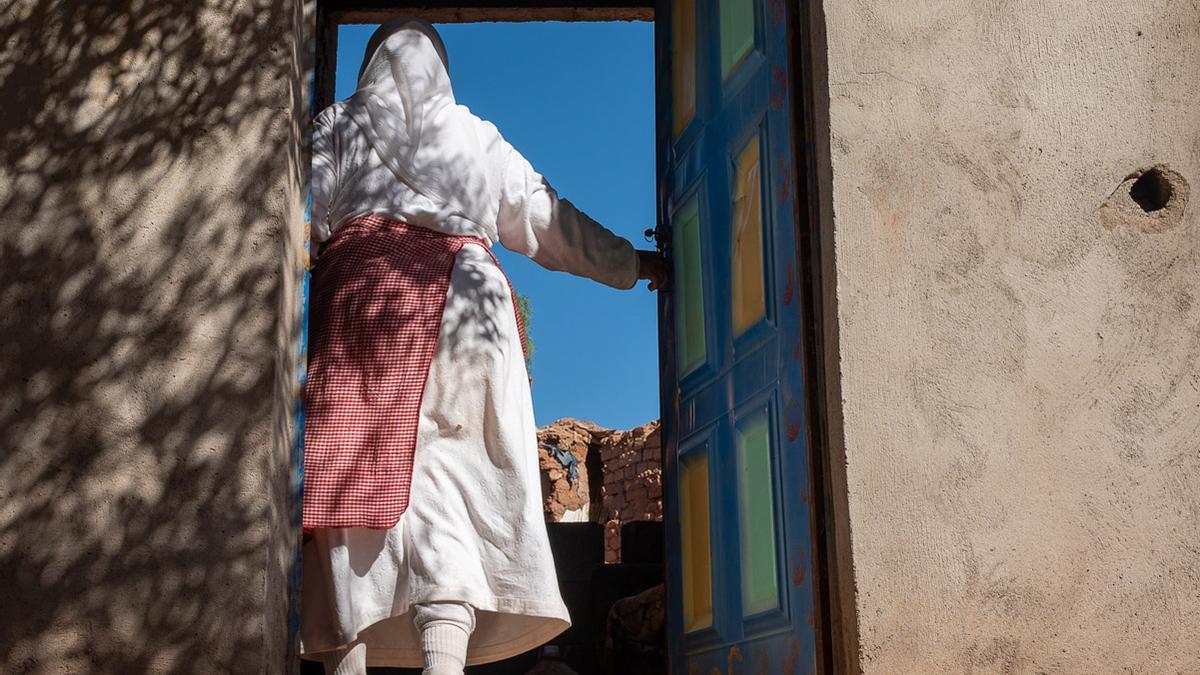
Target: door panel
[683,73]
[737,32]
[696,544]
[749,303]
[757,514]
[689,288]
[740,593]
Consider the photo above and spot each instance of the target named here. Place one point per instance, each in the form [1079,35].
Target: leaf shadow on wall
[149,161]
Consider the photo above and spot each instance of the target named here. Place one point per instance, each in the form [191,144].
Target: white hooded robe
[474,531]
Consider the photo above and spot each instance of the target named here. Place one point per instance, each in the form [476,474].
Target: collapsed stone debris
[617,476]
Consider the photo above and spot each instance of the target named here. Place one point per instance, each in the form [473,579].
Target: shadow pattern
[150,181]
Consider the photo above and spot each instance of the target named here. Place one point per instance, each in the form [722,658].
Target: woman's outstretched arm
[535,221]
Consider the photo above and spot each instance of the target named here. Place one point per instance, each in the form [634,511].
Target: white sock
[444,646]
[351,661]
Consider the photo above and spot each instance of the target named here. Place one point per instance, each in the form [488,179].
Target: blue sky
[577,99]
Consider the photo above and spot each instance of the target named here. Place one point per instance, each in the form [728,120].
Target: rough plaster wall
[149,202]
[1020,382]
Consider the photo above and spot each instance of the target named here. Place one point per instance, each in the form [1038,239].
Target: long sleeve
[324,176]
[534,221]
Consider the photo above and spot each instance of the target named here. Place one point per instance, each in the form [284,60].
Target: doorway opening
[757,578]
[573,91]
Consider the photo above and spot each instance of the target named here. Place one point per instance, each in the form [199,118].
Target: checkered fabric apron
[380,291]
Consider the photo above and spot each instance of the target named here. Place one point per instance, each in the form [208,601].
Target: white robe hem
[557,622]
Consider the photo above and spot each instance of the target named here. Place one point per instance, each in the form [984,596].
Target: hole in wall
[1151,190]
[1151,199]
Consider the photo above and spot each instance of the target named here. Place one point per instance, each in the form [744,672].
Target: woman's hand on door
[653,266]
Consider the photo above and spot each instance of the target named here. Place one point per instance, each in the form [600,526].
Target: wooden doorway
[757,576]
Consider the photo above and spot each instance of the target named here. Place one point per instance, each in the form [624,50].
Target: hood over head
[403,103]
[393,26]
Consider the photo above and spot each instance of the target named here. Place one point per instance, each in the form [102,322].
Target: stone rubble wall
[619,480]
[566,501]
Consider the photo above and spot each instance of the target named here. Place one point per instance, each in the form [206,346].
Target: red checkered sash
[380,291]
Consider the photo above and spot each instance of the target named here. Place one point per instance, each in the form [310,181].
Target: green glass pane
[688,289]
[756,511]
[737,32]
[697,551]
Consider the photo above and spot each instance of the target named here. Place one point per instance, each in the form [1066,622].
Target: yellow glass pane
[749,295]
[756,510]
[697,553]
[737,33]
[688,288]
[683,64]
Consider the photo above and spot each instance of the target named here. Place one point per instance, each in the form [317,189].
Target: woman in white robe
[465,576]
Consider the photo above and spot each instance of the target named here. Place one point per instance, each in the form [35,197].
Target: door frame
[333,13]
[837,630]
[834,584]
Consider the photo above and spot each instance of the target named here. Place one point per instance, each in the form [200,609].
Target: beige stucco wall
[150,210]
[1021,378]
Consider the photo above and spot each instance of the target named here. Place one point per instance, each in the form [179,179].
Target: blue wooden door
[739,529]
